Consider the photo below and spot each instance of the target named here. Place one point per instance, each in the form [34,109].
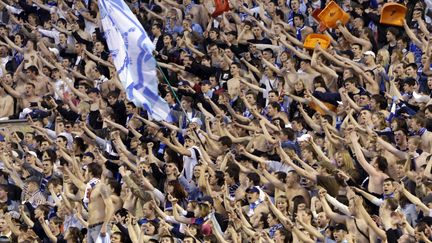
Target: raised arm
[319,67]
[116,125]
[352,39]
[370,222]
[98,60]
[47,230]
[316,127]
[298,53]
[360,156]
[177,216]
[302,172]
[369,197]
[179,149]
[411,35]
[415,200]
[338,218]
[330,57]
[12,44]
[10,90]
[251,67]
[272,179]
[25,217]
[388,146]
[75,180]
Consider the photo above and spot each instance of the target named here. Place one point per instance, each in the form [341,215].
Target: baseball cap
[231,33]
[185,50]
[196,120]
[4,239]
[89,154]
[427,199]
[252,190]
[93,90]
[206,199]
[409,81]
[54,50]
[303,138]
[341,227]
[205,82]
[349,53]
[369,53]
[32,153]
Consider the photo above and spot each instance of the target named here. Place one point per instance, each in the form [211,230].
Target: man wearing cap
[207,91]
[369,60]
[256,205]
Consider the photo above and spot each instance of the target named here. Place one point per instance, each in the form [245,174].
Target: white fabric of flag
[131,50]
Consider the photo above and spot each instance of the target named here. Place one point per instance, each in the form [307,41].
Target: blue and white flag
[131,50]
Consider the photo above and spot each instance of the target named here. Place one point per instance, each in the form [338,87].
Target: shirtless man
[103,202]
[376,169]
[307,74]
[293,188]
[233,84]
[354,224]
[40,81]
[6,104]
[29,52]
[25,98]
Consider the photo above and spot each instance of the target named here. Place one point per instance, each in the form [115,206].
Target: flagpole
[177,99]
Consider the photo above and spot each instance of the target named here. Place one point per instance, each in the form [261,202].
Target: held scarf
[89,187]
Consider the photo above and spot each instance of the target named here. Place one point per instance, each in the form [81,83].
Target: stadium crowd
[269,141]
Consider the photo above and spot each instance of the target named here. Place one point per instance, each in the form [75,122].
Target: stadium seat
[393,14]
[331,14]
[313,39]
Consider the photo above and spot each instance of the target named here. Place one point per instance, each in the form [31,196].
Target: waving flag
[131,50]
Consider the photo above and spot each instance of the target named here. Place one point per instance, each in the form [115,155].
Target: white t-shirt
[190,162]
